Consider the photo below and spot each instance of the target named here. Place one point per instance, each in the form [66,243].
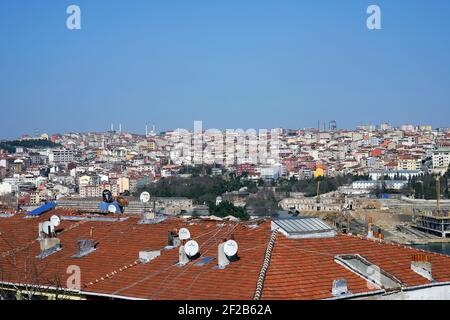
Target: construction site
[396,219]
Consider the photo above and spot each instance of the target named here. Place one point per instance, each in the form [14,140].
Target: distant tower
[120,127]
[146,130]
[333,125]
[112,127]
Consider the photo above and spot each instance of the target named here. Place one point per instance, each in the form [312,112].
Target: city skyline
[233,65]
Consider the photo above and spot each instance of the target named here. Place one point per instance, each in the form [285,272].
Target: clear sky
[231,63]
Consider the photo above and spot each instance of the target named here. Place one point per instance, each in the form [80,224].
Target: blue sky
[233,64]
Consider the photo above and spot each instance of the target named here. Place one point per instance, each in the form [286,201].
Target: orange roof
[299,269]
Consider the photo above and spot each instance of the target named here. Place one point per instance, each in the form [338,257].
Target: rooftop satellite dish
[184,234]
[47,227]
[55,220]
[231,248]
[112,208]
[145,197]
[191,248]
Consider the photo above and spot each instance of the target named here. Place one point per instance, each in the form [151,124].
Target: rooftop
[298,269]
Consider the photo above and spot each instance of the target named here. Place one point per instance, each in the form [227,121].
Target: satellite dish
[184,234]
[191,248]
[45,227]
[55,220]
[112,208]
[230,248]
[145,197]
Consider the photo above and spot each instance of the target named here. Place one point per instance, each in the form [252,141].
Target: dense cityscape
[46,168]
[383,184]
[116,185]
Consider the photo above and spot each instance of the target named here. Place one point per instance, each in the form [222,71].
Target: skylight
[303,227]
[368,271]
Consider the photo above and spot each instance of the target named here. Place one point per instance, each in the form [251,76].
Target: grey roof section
[304,227]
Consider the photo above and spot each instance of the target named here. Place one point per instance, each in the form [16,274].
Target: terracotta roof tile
[299,269]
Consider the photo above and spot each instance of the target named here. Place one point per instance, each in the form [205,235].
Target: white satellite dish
[184,234]
[55,220]
[112,208]
[46,226]
[191,248]
[230,248]
[145,197]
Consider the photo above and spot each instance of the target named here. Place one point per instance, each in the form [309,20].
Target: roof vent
[421,264]
[147,256]
[339,288]
[85,247]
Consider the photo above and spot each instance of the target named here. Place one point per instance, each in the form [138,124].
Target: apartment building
[409,163]
[61,156]
[441,158]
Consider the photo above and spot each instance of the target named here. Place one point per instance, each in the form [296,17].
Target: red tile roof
[299,269]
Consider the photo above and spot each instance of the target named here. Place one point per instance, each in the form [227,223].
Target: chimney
[421,264]
[222,259]
[339,287]
[369,229]
[182,256]
[172,239]
[49,246]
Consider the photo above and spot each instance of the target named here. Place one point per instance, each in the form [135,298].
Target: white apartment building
[88,191]
[61,156]
[373,184]
[441,158]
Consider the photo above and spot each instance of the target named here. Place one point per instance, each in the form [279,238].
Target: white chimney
[147,256]
[222,259]
[182,257]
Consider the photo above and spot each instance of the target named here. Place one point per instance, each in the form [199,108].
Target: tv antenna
[112,208]
[191,248]
[55,220]
[230,248]
[184,234]
[145,197]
